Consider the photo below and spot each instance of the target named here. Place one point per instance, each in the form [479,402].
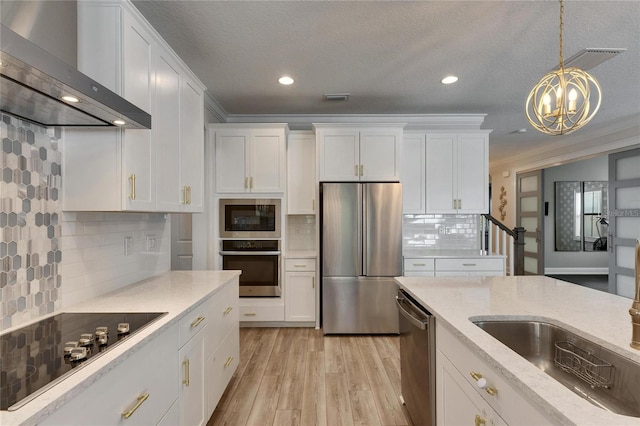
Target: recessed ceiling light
[449,79]
[69,98]
[285,80]
[119,122]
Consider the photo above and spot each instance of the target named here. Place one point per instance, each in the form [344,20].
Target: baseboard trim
[576,271]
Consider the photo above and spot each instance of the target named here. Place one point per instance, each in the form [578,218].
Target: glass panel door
[529,216]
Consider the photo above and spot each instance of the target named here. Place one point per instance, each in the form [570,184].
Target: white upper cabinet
[135,170]
[250,158]
[446,173]
[358,153]
[301,172]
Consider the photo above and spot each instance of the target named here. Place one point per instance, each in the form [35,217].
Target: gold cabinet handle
[361,170]
[480,421]
[298,265]
[419,264]
[468,264]
[186,372]
[313,282]
[196,322]
[132,179]
[251,182]
[141,399]
[476,376]
[482,383]
[189,193]
[226,311]
[356,170]
[250,314]
[460,203]
[228,362]
[491,391]
[184,195]
[246,183]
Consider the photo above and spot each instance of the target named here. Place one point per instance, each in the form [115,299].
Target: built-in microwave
[249,218]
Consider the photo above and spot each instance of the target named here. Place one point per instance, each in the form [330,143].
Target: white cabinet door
[220,367]
[413,174]
[192,389]
[267,160]
[457,403]
[300,304]
[440,175]
[472,166]
[457,175]
[166,130]
[338,154]
[301,173]
[380,151]
[191,147]
[230,154]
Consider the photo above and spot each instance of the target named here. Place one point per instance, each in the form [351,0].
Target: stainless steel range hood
[34,81]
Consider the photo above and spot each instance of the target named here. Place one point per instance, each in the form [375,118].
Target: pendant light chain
[560,50]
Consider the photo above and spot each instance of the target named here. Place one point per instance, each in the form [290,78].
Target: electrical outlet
[128,246]
[151,242]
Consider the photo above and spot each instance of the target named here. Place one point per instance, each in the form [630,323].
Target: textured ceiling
[391,55]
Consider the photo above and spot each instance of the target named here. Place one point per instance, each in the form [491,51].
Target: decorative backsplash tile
[49,259]
[301,232]
[30,209]
[440,232]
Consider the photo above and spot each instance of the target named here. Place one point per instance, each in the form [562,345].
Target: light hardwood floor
[297,376]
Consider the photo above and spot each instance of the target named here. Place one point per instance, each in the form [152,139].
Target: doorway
[529,216]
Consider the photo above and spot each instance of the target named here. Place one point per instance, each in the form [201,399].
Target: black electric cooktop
[35,357]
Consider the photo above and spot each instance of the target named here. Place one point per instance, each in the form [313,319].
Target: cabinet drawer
[262,313]
[223,316]
[295,265]
[194,321]
[222,365]
[507,400]
[470,264]
[417,264]
[136,381]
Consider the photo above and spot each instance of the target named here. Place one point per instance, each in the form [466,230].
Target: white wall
[595,169]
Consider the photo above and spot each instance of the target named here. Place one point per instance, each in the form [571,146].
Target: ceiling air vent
[589,58]
[337,97]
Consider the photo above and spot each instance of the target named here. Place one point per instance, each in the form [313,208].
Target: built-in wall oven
[259,261]
[249,218]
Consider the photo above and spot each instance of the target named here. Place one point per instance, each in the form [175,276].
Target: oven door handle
[250,253]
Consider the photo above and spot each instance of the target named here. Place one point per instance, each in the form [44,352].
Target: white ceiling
[391,56]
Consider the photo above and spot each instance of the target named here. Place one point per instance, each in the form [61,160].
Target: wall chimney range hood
[34,82]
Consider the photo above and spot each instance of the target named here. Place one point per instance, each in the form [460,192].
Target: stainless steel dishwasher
[417,360]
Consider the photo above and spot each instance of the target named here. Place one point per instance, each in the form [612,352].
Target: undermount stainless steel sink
[604,378]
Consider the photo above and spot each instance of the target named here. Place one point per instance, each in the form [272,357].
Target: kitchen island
[180,294]
[601,317]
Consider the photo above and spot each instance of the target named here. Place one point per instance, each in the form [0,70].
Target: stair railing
[498,240]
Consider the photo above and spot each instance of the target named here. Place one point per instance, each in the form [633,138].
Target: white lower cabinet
[192,403]
[220,367]
[300,289]
[454,266]
[460,398]
[139,391]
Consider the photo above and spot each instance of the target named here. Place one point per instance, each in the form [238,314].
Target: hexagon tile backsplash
[30,221]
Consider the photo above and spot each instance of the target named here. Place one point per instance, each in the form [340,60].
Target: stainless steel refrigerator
[361,252]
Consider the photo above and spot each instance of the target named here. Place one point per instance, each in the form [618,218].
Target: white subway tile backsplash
[440,232]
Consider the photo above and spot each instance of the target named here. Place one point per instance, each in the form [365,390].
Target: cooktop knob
[105,330]
[86,339]
[68,346]
[123,328]
[78,354]
[102,337]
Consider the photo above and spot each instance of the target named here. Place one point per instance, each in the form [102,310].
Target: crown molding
[212,105]
[411,121]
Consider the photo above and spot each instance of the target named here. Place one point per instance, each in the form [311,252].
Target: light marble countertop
[599,316]
[176,292]
[433,253]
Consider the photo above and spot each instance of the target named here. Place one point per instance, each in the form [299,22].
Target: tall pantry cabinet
[161,169]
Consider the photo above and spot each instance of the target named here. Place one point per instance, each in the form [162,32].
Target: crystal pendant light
[564,100]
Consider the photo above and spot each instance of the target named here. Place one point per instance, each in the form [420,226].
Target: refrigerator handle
[364,228]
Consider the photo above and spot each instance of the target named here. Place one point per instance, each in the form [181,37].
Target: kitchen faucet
[635,307]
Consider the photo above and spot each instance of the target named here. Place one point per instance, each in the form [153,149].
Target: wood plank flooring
[298,376]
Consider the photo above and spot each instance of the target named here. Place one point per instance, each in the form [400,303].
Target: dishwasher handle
[417,322]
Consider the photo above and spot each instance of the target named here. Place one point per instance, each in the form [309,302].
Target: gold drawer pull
[250,314]
[228,362]
[491,391]
[141,399]
[476,376]
[297,265]
[419,264]
[468,264]
[132,179]
[186,372]
[196,322]
[482,383]
[480,421]
[226,311]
